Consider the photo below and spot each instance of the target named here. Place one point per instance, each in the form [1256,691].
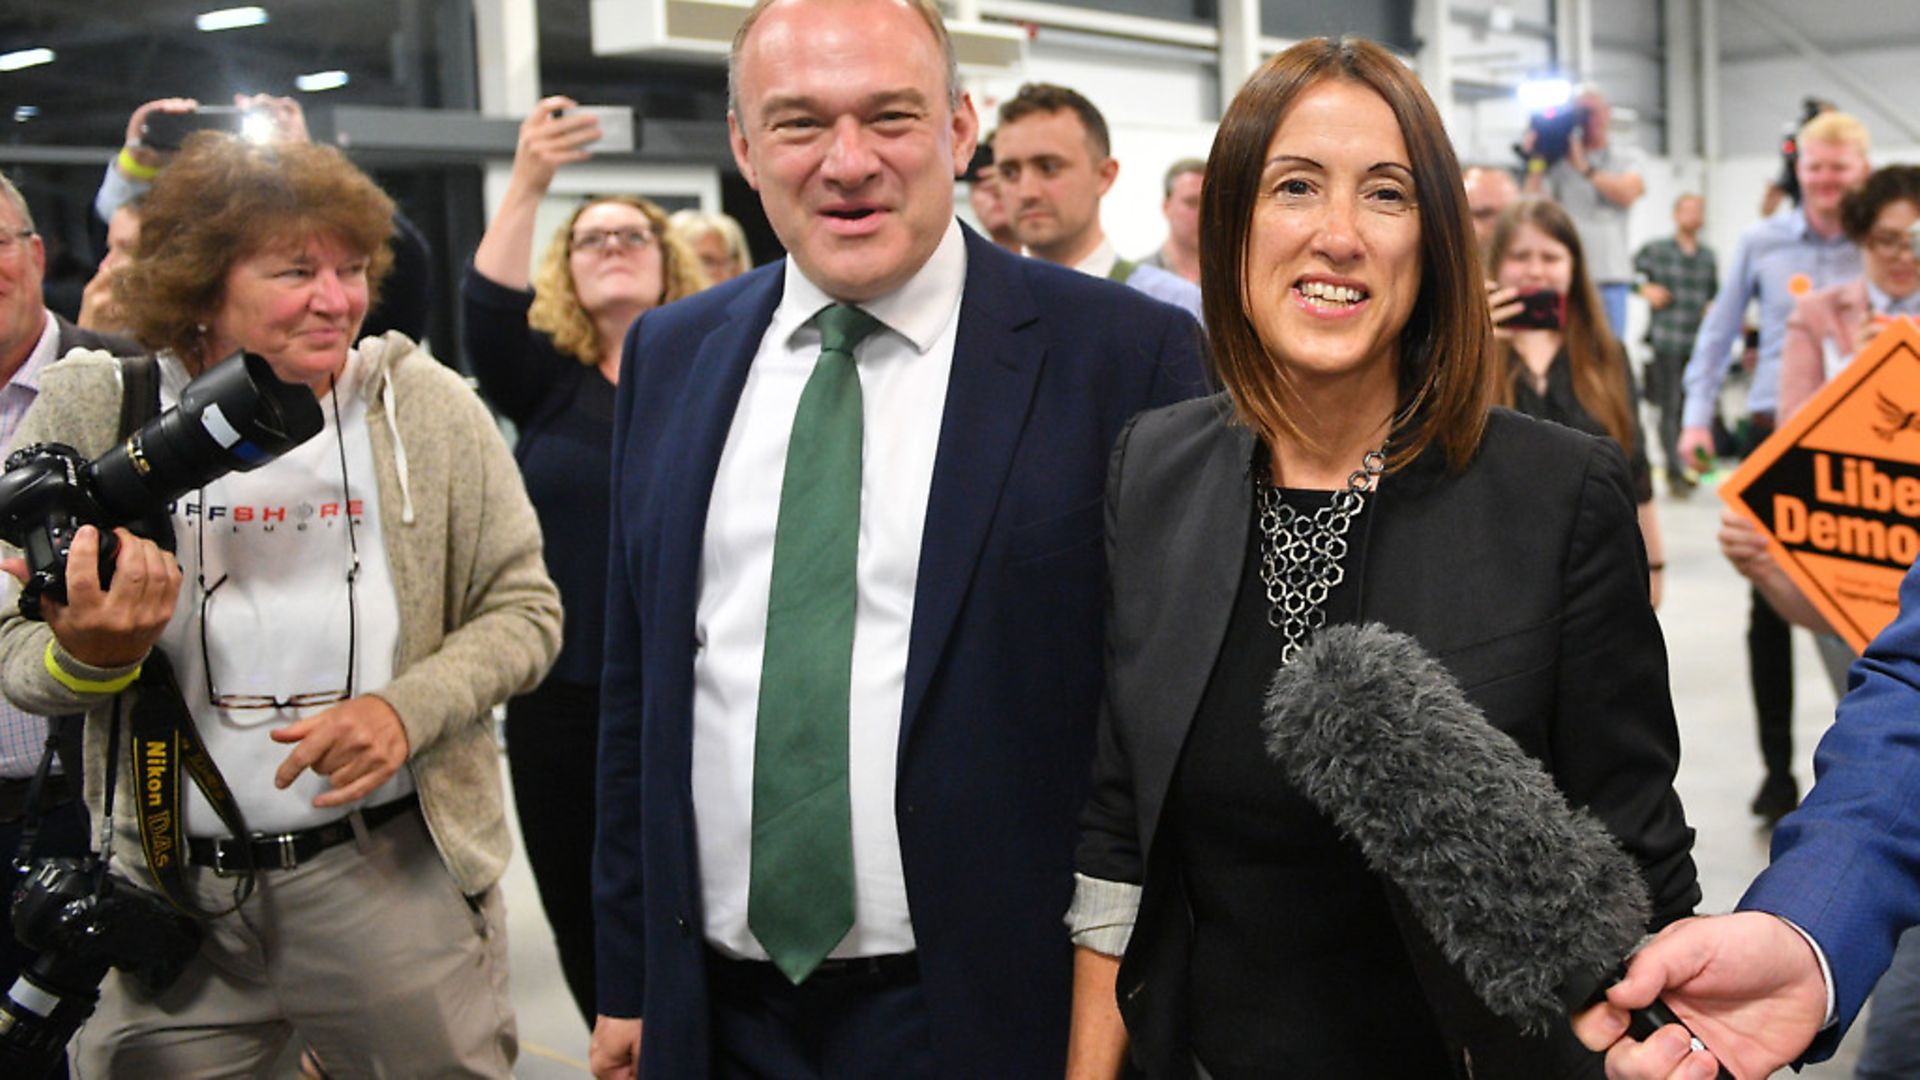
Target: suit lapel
[996,365]
[701,420]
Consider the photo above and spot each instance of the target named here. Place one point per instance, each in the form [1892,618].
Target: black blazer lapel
[1195,573]
[995,368]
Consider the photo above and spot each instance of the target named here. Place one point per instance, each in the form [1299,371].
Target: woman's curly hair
[224,199]
[556,309]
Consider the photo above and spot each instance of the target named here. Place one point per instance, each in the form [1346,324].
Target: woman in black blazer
[1349,324]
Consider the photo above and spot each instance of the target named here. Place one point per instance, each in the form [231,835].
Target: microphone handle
[1644,1022]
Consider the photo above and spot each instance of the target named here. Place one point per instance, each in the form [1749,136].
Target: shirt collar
[1798,226]
[1100,262]
[1886,305]
[918,310]
[45,351]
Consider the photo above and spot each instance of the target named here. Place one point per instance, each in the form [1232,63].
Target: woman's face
[1888,252]
[615,259]
[714,257]
[1535,261]
[1333,259]
[299,304]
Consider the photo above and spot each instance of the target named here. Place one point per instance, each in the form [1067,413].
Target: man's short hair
[1685,195]
[1047,98]
[1179,169]
[1836,127]
[928,10]
[17,201]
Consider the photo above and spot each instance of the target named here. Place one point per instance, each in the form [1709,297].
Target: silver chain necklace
[1301,554]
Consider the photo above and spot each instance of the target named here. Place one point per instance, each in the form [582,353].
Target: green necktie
[800,893]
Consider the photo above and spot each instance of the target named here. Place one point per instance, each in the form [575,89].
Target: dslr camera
[235,416]
[83,921]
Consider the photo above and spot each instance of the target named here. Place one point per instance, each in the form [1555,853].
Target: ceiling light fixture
[25,58]
[313,82]
[230,18]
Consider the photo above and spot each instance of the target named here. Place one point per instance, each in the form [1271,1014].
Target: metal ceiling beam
[1896,113]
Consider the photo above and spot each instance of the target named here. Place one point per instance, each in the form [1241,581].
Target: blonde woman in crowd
[547,353]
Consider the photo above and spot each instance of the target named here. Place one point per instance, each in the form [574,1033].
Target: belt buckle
[285,858]
[220,866]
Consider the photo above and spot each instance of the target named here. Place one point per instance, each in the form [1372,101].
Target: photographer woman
[548,356]
[351,613]
[1349,324]
[1568,369]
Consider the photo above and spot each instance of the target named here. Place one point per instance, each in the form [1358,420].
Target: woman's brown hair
[1886,185]
[556,310]
[1593,356]
[224,199]
[1446,379]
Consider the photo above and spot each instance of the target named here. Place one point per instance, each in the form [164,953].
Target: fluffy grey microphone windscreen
[1533,901]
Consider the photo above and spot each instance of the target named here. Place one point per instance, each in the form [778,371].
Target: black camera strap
[165,742]
[164,737]
[60,743]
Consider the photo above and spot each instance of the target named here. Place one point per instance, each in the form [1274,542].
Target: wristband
[1657,568]
[87,686]
[1536,165]
[130,165]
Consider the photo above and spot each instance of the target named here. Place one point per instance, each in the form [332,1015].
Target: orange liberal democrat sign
[1837,489]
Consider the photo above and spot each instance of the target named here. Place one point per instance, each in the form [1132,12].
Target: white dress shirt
[903,371]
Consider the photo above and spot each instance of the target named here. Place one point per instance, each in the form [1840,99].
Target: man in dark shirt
[1677,278]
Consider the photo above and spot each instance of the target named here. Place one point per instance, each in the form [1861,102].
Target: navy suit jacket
[1846,865]
[1003,667]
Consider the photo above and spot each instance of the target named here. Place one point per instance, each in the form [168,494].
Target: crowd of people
[885,634]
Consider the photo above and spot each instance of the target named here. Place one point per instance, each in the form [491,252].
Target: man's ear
[1107,170]
[737,139]
[966,133]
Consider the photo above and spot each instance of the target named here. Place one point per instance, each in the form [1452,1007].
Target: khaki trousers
[371,957]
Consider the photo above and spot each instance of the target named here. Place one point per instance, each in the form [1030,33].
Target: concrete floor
[1704,616]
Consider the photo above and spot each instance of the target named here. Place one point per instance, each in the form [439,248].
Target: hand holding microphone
[1534,903]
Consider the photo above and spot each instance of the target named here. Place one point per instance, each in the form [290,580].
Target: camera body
[82,921]
[235,416]
[1553,130]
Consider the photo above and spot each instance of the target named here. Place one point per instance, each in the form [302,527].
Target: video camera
[237,415]
[1553,129]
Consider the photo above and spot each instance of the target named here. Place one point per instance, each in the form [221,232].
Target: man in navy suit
[989,392]
[1780,980]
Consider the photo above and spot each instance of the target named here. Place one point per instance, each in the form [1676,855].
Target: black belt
[284,851]
[13,796]
[889,969]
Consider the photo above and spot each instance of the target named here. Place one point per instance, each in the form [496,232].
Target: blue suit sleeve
[618,881]
[1719,329]
[1846,865]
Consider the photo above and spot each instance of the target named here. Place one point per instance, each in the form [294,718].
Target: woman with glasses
[1827,329]
[548,356]
[340,623]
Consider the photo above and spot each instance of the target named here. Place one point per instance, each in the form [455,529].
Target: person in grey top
[1056,164]
[1597,182]
[1181,253]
